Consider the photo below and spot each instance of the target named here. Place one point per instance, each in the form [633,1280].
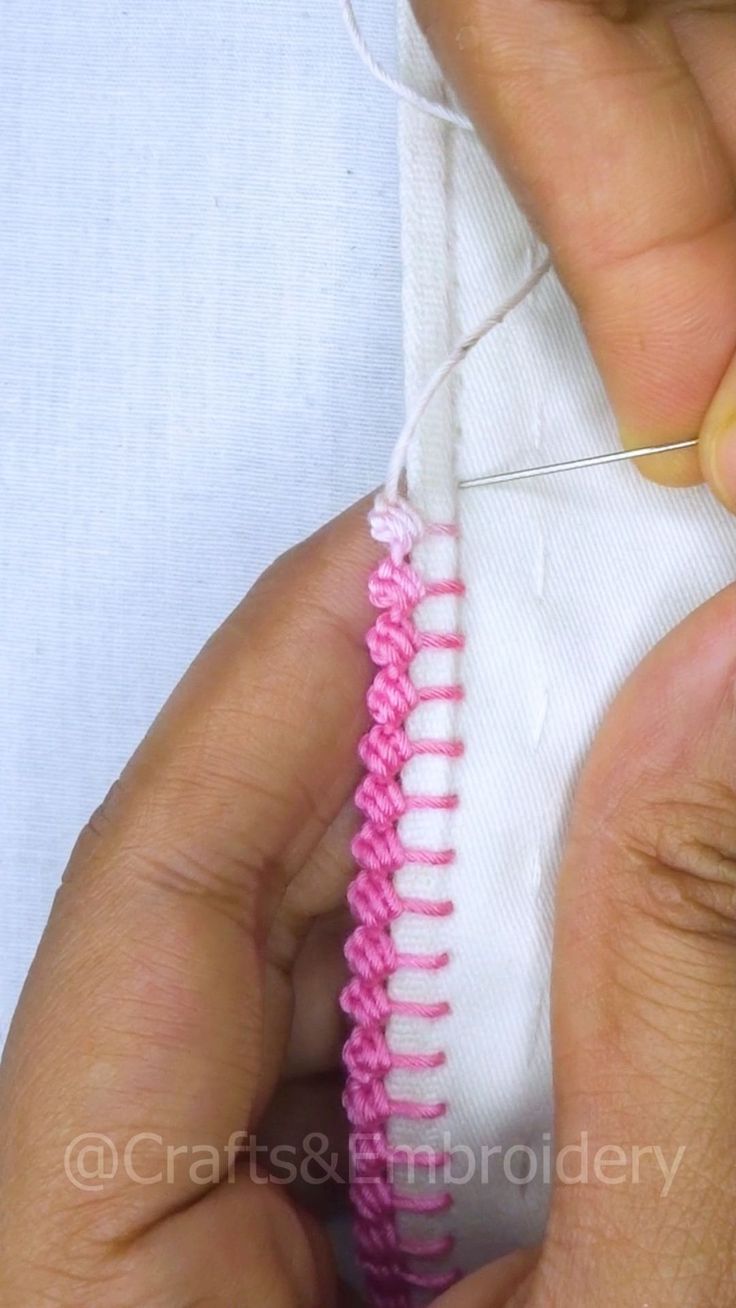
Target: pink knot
[395,588]
[367,1104]
[378,1247]
[381,1257]
[395,523]
[394,585]
[371,953]
[388,1282]
[367,1054]
[385,749]
[369,1158]
[391,697]
[378,849]
[393,639]
[371,1197]
[381,799]
[364,1002]
[373,900]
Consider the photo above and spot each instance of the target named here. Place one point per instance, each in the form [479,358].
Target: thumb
[644,988]
[605,135]
[243,1243]
[718,441]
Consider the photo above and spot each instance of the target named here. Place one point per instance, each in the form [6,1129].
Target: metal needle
[615,456]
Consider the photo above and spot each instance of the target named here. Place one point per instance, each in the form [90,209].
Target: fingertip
[673,468]
[718,442]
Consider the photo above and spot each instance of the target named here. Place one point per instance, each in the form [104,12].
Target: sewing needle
[615,456]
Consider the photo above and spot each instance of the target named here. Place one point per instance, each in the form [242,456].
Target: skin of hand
[615,124]
[184,982]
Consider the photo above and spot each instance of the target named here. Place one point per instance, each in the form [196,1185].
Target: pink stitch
[428,907]
[393,639]
[431,857]
[378,848]
[448,748]
[451,587]
[416,1112]
[439,640]
[425,962]
[375,1198]
[422,1203]
[437,1284]
[371,953]
[385,749]
[409,1008]
[395,588]
[395,584]
[381,799]
[414,802]
[369,1053]
[426,694]
[438,1248]
[365,1002]
[418,1060]
[376,1240]
[369,1101]
[374,900]
[393,695]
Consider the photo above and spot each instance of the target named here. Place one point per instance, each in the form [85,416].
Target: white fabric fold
[570,581]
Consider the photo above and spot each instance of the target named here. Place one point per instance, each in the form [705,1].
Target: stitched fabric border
[391,1263]
[400,993]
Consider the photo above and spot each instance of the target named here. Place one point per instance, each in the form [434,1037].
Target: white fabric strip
[570,580]
[429,331]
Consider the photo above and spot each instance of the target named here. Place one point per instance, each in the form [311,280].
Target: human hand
[186,986]
[615,123]
[644,1000]
[165,1004]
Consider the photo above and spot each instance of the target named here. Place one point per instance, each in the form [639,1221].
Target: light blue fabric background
[199,362]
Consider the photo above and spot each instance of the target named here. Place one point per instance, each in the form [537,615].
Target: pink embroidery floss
[395,589]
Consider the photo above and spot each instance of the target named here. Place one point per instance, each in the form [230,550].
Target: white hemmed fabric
[429,331]
[570,581]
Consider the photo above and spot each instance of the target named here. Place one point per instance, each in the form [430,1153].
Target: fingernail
[718,441]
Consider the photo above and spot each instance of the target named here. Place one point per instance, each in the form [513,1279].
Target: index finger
[608,143]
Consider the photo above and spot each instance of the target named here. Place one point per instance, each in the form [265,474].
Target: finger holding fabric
[158,1009]
[644,1001]
[615,125]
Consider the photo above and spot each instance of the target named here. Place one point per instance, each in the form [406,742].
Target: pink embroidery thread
[395,589]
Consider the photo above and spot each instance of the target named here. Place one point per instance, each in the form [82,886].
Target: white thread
[433,107]
[391,497]
[463,347]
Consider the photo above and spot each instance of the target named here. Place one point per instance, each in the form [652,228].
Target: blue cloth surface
[200,361]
